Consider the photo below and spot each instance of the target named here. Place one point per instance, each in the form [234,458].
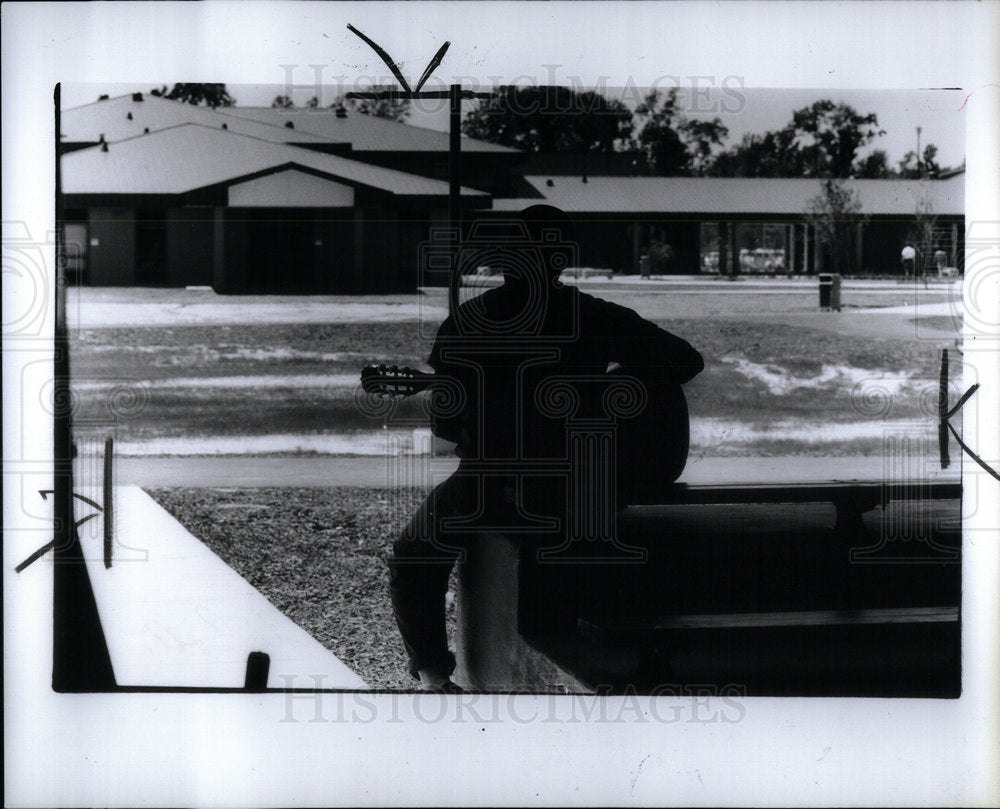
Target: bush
[660,256]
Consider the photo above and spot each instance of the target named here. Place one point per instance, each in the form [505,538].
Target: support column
[359,248]
[859,247]
[636,247]
[734,252]
[805,248]
[219,249]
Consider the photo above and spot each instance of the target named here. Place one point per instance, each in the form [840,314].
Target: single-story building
[323,200]
[193,205]
[763,221]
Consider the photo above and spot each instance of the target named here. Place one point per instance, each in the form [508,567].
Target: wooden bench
[530,601]
[900,651]
[851,499]
[638,631]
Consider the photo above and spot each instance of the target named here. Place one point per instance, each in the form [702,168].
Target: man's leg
[422,560]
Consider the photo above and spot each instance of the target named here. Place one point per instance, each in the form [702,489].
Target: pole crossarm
[392,95]
[382,54]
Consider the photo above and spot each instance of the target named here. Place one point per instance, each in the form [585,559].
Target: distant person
[941,262]
[500,349]
[909,260]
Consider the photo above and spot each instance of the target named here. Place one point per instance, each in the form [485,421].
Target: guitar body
[651,446]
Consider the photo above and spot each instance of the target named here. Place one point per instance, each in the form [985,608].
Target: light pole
[920,172]
[455,95]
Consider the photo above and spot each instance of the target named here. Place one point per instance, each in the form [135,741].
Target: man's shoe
[447,687]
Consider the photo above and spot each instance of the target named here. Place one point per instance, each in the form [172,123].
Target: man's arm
[452,428]
[639,345]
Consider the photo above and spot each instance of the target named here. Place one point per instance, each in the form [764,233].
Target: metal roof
[363,132]
[732,195]
[111,118]
[191,156]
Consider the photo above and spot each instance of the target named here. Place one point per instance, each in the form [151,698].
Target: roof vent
[225,125]
[129,116]
[145,130]
[341,111]
[104,144]
[137,96]
[289,125]
[104,97]
[550,183]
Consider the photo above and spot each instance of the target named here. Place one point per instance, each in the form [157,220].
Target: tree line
[824,140]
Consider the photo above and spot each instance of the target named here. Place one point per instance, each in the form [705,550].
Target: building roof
[123,117]
[732,195]
[191,156]
[363,132]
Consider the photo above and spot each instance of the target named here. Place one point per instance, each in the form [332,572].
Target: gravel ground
[319,555]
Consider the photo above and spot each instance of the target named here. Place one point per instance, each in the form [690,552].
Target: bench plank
[638,630]
[712,494]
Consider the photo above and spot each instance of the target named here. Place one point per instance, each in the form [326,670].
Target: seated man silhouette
[498,357]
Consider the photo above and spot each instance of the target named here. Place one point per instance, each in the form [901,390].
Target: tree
[550,119]
[924,233]
[822,140]
[836,213]
[829,136]
[282,103]
[395,109]
[874,167]
[213,95]
[772,154]
[912,169]
[675,145]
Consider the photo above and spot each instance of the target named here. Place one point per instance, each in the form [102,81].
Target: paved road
[249,471]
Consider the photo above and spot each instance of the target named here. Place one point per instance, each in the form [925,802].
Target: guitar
[651,445]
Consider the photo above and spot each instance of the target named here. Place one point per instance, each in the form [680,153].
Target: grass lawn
[302,378]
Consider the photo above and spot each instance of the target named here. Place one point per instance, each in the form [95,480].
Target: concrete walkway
[377,472]
[175,615]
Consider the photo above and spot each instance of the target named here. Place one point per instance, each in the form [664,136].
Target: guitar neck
[394,381]
[419,382]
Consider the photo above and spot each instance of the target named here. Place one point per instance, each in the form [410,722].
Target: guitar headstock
[390,380]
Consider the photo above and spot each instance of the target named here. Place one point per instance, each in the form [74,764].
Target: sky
[742,110]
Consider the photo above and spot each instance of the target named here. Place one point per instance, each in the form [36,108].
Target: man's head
[550,230]
[541,219]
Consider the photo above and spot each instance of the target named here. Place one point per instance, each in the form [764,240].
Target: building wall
[190,251]
[376,264]
[288,250]
[111,256]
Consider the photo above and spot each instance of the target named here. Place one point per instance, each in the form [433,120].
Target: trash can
[644,266]
[829,291]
